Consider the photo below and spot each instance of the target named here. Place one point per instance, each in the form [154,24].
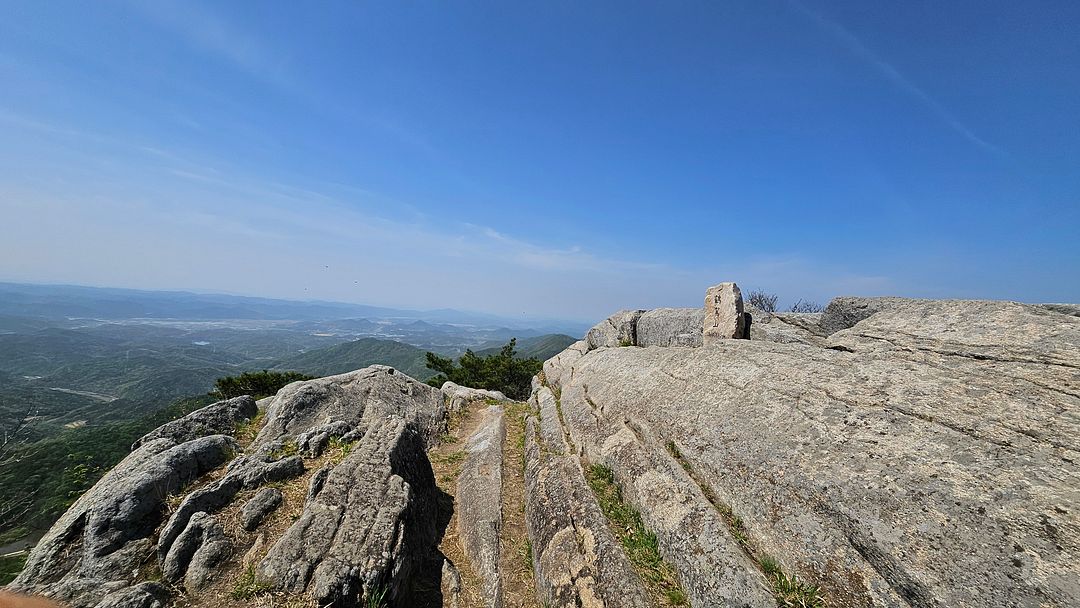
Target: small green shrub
[257,384]
[499,372]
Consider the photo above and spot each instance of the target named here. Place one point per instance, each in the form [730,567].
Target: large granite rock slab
[620,329]
[371,527]
[929,455]
[670,327]
[357,398]
[457,396]
[98,544]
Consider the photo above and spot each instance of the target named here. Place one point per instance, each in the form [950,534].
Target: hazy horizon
[559,162]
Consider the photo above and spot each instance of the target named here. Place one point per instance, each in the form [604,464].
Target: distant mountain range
[68,301]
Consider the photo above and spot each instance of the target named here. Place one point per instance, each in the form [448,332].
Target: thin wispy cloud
[208,32]
[852,43]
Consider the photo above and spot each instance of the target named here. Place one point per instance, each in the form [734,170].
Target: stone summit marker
[724,316]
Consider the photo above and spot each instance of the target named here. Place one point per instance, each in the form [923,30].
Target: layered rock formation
[346,455]
[889,451]
[884,452]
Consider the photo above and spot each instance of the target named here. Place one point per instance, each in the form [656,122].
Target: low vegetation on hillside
[257,384]
[502,371]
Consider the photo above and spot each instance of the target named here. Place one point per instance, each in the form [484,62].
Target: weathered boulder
[927,456]
[670,327]
[552,434]
[357,398]
[101,550]
[458,395]
[371,526]
[724,315]
[844,312]
[218,418]
[786,327]
[262,504]
[144,595]
[1065,309]
[245,472]
[479,500]
[192,557]
[564,362]
[313,441]
[620,329]
[98,544]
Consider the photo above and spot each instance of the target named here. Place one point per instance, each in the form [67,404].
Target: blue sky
[552,159]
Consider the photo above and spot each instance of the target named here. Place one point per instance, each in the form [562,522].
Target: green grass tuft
[640,544]
[287,449]
[790,592]
[249,586]
[525,552]
[339,448]
[376,598]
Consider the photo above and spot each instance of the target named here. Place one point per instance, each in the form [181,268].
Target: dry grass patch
[446,460]
[516,556]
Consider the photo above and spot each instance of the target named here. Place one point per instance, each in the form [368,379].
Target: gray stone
[786,327]
[577,561]
[97,545]
[144,595]
[479,502]
[215,419]
[312,442]
[204,566]
[457,395]
[620,329]
[1065,309]
[724,315]
[262,504]
[203,538]
[564,362]
[245,472]
[451,586]
[550,428]
[372,526]
[844,312]
[929,455]
[357,398]
[316,484]
[670,327]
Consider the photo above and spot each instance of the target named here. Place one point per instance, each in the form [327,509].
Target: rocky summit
[883,452]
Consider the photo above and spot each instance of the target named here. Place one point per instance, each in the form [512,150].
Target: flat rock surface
[930,457]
